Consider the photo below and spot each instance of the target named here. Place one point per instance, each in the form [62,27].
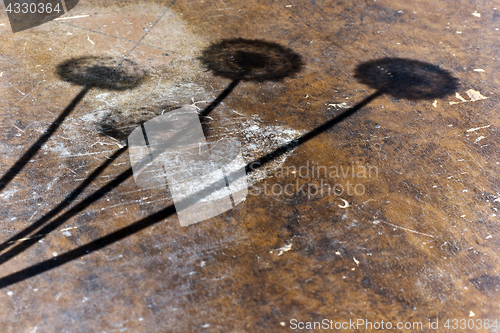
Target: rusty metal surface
[413,236]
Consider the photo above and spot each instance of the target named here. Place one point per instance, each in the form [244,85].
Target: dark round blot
[102,72]
[406,78]
[251,60]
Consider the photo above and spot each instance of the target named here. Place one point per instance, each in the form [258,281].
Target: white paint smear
[479,139]
[283,249]
[257,139]
[71,17]
[477,128]
[474,96]
[340,105]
